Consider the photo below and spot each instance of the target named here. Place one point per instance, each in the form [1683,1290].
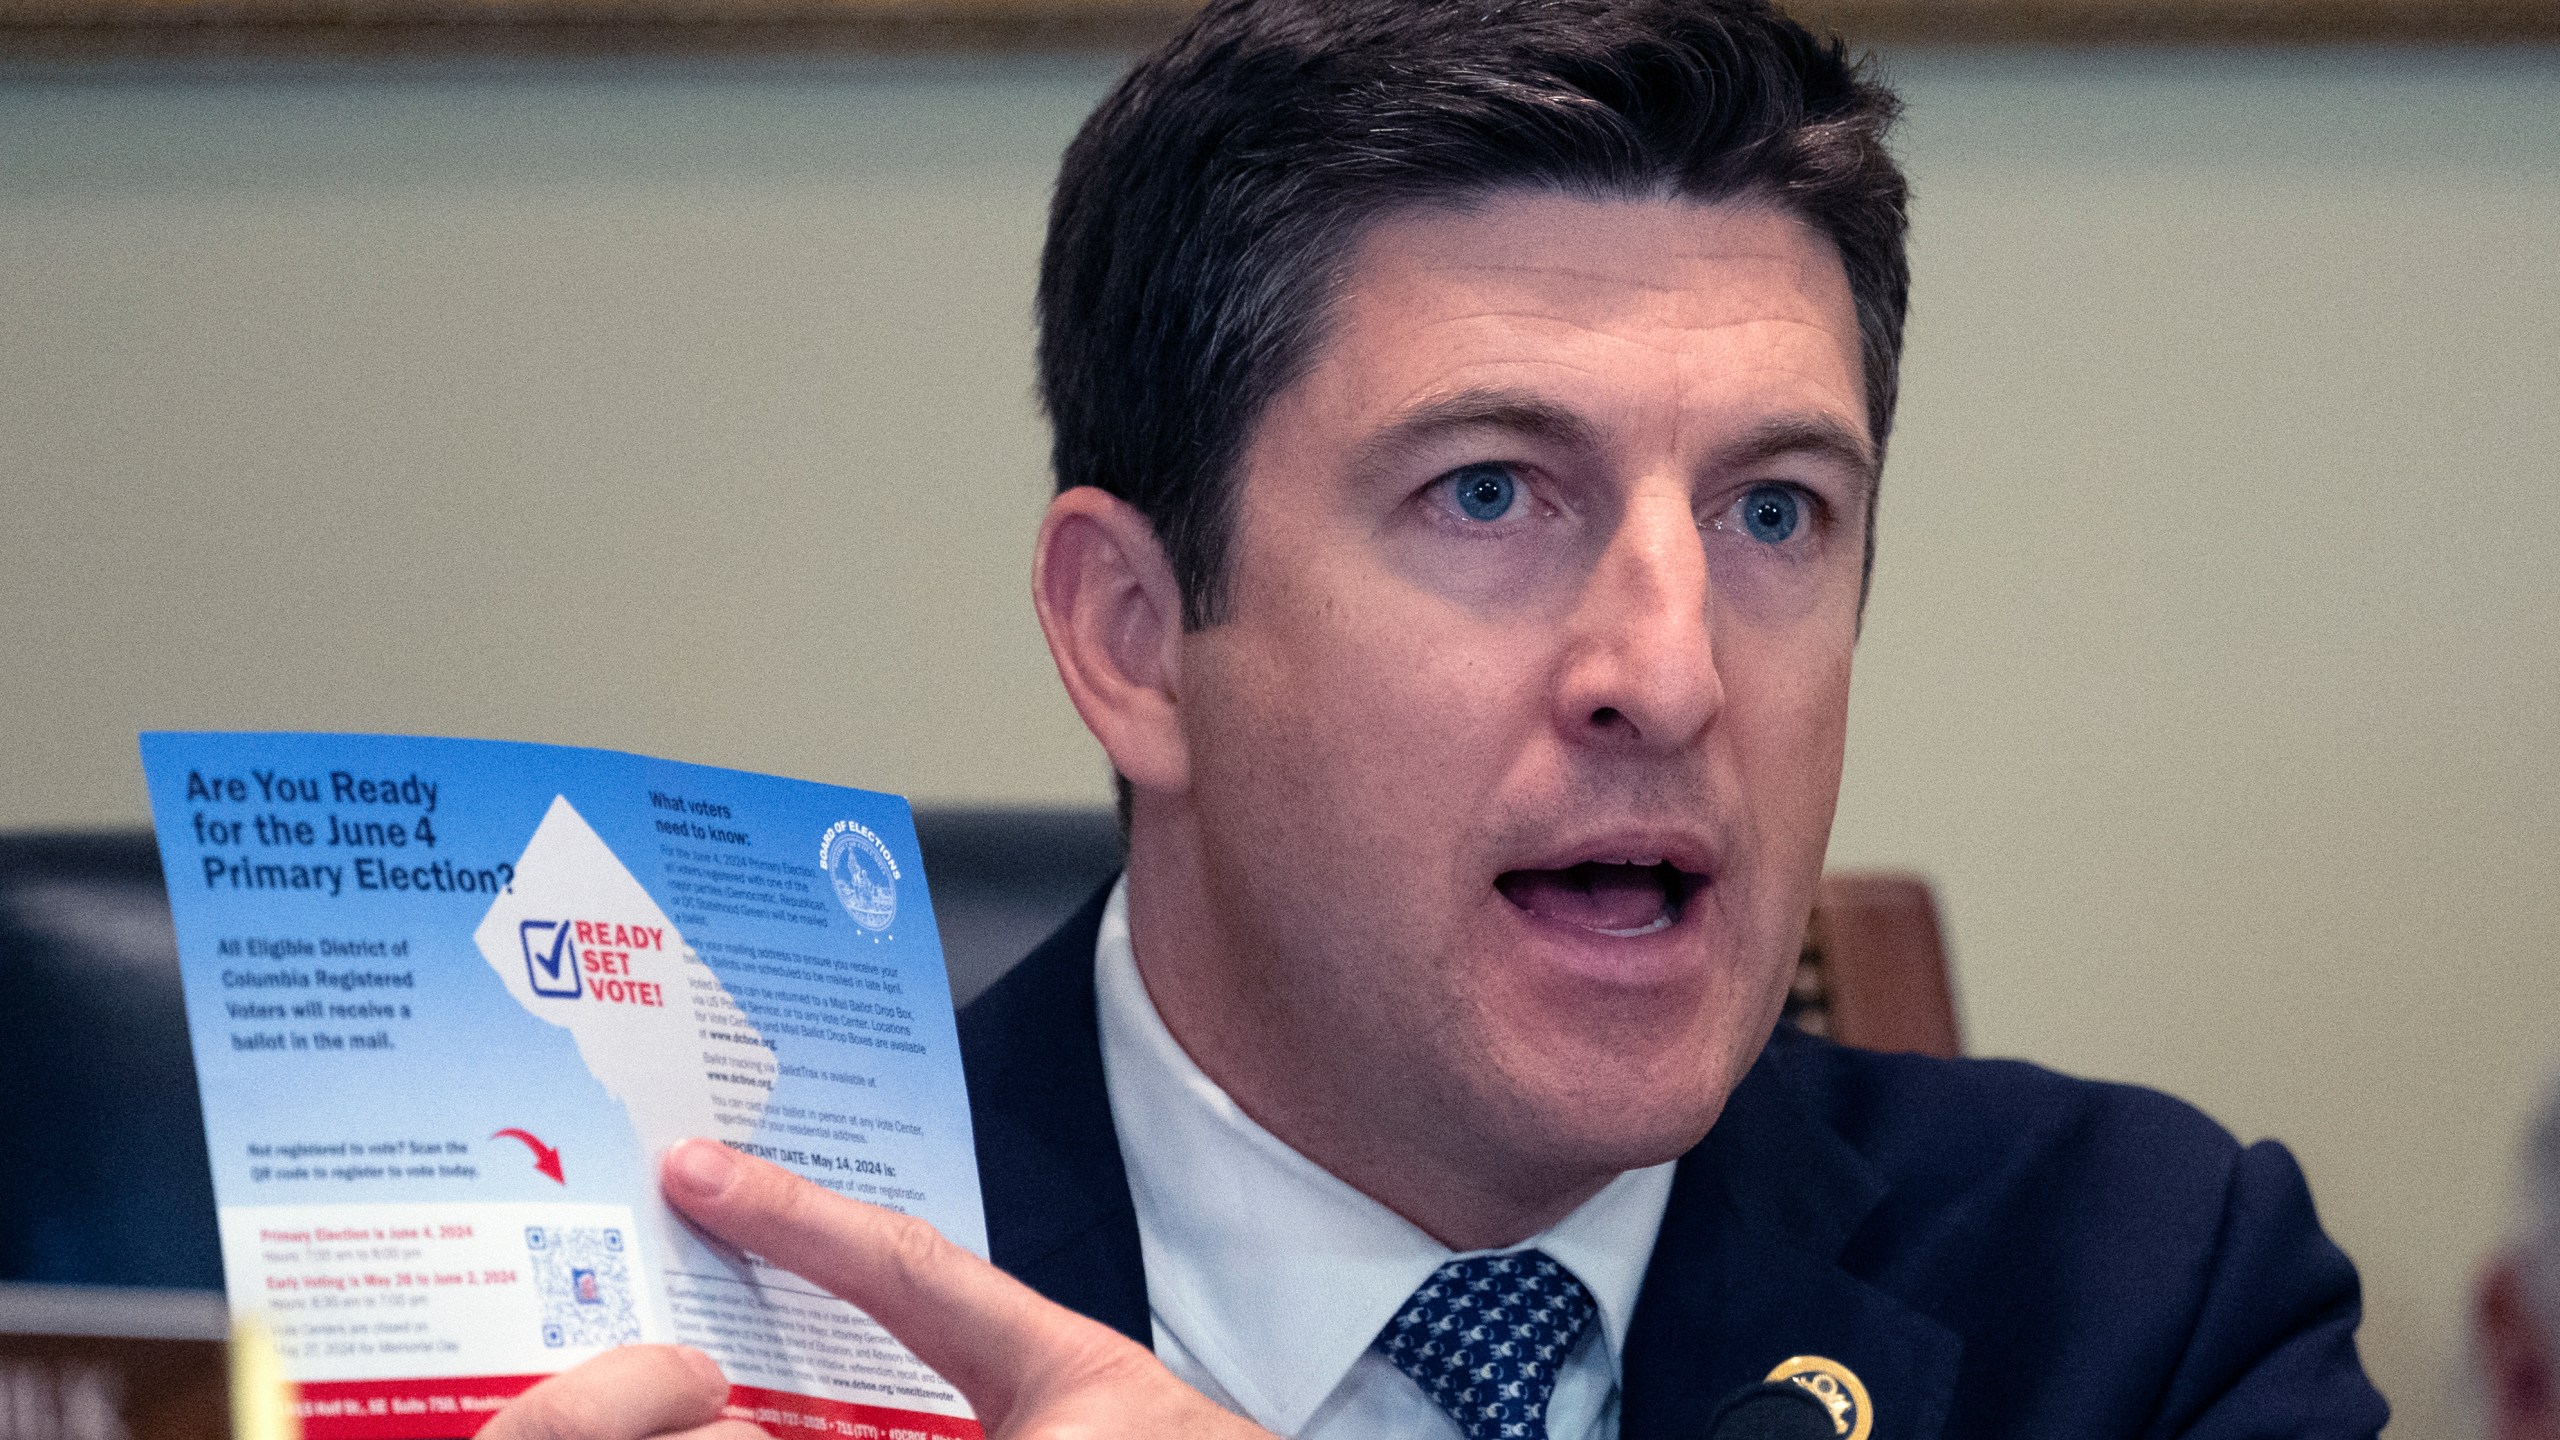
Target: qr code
[583,1274]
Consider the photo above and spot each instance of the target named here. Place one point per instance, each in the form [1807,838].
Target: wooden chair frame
[1873,972]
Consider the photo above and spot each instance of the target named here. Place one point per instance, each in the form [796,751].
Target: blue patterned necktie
[1485,1336]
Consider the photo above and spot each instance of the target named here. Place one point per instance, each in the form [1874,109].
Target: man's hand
[1032,1370]
[627,1394]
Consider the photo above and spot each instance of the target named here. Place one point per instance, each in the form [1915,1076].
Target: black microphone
[1771,1410]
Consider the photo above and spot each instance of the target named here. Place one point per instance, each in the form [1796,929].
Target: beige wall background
[2210,669]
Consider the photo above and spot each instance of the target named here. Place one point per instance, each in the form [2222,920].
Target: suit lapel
[1745,1274]
[1059,1216]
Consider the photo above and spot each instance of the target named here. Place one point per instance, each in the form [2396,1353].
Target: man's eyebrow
[1821,436]
[1517,411]
[1535,417]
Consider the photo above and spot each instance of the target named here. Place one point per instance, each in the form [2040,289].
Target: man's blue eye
[1771,513]
[1484,492]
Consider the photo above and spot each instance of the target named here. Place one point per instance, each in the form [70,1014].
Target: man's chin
[1620,1123]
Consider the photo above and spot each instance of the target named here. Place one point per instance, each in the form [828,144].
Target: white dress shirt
[1267,1277]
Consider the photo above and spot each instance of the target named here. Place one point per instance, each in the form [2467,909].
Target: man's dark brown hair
[1206,209]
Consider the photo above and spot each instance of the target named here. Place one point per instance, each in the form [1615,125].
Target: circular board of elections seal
[864,874]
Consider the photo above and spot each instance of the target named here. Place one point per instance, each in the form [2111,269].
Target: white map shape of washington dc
[692,1066]
[651,1058]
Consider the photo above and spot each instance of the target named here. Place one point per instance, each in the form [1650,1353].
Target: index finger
[980,1329]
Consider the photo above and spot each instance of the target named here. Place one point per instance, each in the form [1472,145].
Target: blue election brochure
[450,1001]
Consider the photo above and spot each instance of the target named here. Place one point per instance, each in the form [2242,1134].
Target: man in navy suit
[1469,419]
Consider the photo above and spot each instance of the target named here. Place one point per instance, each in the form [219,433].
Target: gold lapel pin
[1836,1386]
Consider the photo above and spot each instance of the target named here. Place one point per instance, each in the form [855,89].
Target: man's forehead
[1530,292]
[1683,260]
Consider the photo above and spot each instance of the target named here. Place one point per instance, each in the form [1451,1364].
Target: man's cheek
[1789,723]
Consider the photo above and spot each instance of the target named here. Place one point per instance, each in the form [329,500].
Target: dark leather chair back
[106,1181]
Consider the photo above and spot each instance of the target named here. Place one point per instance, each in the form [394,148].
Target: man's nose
[1640,669]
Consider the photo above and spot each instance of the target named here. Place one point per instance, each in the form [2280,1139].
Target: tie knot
[1485,1336]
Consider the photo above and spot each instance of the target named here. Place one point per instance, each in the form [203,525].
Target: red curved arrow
[545,1159]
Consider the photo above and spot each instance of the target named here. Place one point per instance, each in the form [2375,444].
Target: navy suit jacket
[1996,1250]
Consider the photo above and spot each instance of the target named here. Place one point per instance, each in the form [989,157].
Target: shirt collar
[1272,1272]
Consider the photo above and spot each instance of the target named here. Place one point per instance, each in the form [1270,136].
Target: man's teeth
[1660,922]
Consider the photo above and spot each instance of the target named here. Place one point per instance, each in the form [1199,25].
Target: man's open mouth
[1620,898]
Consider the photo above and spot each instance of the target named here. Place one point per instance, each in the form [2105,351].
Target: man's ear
[1113,616]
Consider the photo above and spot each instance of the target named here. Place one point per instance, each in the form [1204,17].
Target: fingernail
[700,1169]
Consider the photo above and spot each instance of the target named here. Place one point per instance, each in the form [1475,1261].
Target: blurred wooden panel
[107,1363]
[110,29]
